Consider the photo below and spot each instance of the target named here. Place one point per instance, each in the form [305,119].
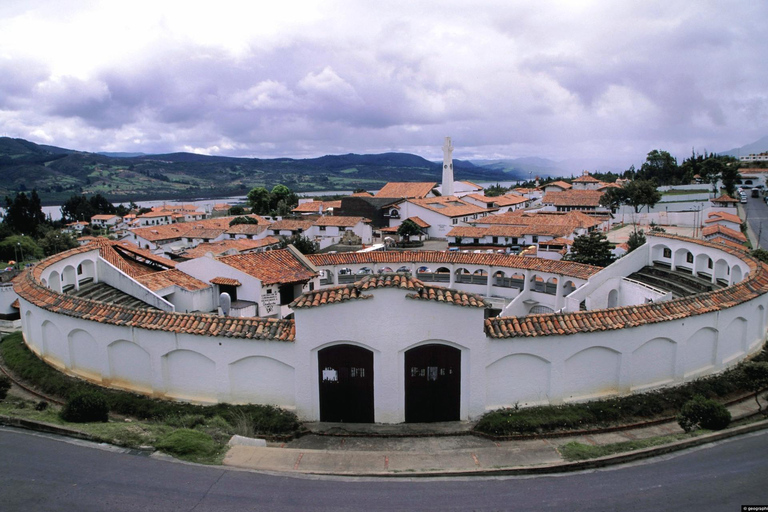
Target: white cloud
[554,79]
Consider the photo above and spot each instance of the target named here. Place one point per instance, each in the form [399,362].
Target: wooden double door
[432,384]
[346,384]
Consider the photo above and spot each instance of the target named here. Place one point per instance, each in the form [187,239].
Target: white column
[447,188]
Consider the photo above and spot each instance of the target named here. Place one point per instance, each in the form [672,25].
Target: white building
[461,335]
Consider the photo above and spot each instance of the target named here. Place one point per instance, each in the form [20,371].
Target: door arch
[345,375]
[432,383]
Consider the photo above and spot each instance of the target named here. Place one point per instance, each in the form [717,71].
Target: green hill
[57,173]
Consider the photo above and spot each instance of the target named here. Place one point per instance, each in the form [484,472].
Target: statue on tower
[447,185]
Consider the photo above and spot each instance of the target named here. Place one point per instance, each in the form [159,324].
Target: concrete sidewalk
[449,450]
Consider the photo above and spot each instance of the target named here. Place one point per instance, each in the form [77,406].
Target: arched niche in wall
[84,353]
[54,281]
[699,352]
[129,366]
[592,372]
[757,336]
[54,344]
[262,380]
[517,379]
[68,277]
[613,298]
[87,270]
[737,273]
[733,341]
[722,270]
[653,363]
[189,375]
[568,288]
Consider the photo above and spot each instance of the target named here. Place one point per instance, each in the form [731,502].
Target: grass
[683,192]
[151,420]
[574,451]
[614,411]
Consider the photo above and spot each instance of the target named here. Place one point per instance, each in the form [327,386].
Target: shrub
[187,443]
[86,407]
[702,412]
[41,405]
[5,385]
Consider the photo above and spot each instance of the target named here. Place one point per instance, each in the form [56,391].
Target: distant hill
[525,168]
[759,146]
[58,173]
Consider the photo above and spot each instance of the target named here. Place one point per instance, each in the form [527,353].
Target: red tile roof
[566,268]
[290,225]
[573,198]
[282,266]
[30,290]
[167,278]
[562,184]
[340,221]
[724,231]
[225,281]
[223,246]
[753,286]
[722,216]
[449,206]
[356,291]
[725,199]
[406,190]
[586,178]
[314,206]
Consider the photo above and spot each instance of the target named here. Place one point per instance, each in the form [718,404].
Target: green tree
[760,254]
[636,239]
[613,198]
[24,214]
[730,176]
[236,210]
[243,220]
[20,248]
[662,167]
[258,199]
[408,229]
[591,249]
[754,377]
[282,200]
[304,244]
[82,208]
[55,241]
[642,193]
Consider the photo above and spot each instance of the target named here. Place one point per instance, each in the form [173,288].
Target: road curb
[565,467]
[48,428]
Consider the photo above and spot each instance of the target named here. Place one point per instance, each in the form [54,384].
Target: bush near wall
[256,419]
[614,411]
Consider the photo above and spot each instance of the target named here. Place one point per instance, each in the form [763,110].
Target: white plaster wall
[7,296]
[109,274]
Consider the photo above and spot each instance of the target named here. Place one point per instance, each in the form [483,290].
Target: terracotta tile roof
[104,217]
[223,246]
[178,231]
[340,221]
[558,241]
[225,281]
[724,231]
[419,222]
[510,231]
[205,234]
[728,242]
[449,206]
[605,186]
[571,220]
[314,206]
[153,214]
[281,266]
[221,207]
[167,278]
[467,232]
[475,185]
[719,216]
[362,194]
[290,225]
[573,198]
[566,268]
[586,178]
[355,291]
[247,229]
[562,184]
[407,190]
[725,198]
[753,286]
[29,289]
[498,201]
[15,304]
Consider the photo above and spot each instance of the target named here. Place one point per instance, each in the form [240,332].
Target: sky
[597,84]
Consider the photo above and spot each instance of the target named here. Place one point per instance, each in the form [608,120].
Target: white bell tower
[447,188]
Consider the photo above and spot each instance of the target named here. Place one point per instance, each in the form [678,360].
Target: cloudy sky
[601,82]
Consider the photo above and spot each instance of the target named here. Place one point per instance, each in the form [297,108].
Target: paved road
[41,473]
[757,214]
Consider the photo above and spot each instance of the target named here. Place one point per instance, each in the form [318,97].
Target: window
[454,221]
[495,240]
[709,263]
[689,257]
[322,228]
[667,253]
[477,240]
[535,238]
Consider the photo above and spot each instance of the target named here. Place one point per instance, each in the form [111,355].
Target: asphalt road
[757,215]
[42,473]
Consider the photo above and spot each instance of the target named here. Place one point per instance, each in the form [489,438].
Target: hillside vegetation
[58,173]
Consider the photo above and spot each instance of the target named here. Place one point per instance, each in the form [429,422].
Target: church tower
[447,188]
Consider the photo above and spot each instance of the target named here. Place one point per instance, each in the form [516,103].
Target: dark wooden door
[346,384]
[432,384]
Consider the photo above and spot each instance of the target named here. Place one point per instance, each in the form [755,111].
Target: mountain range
[58,173]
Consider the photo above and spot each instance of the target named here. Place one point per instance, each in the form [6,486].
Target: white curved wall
[495,372]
